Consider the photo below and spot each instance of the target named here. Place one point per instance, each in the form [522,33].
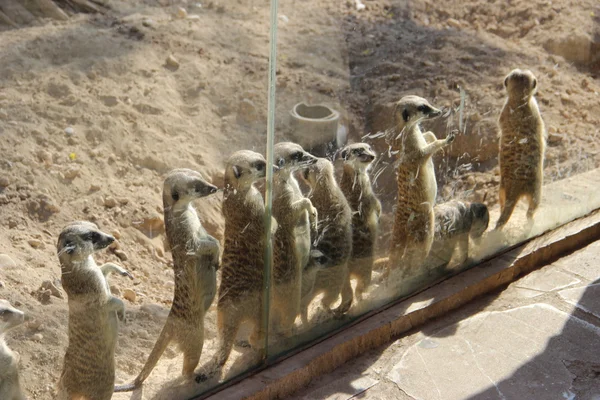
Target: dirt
[95,110]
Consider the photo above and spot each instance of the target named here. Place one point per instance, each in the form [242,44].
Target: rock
[130,295]
[69,131]
[148,23]
[172,62]
[4,182]
[36,243]
[123,200]
[7,262]
[181,13]
[121,254]
[115,290]
[453,23]
[246,113]
[44,296]
[45,157]
[110,202]
[2,284]
[554,139]
[116,234]
[150,226]
[71,173]
[48,285]
[94,187]
[38,337]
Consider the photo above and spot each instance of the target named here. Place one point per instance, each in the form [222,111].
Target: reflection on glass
[405,147]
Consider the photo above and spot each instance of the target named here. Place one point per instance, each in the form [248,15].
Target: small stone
[565,98]
[94,187]
[44,296]
[35,243]
[45,157]
[110,202]
[38,337]
[454,23]
[4,182]
[2,285]
[69,131]
[130,295]
[115,290]
[148,23]
[554,139]
[182,13]
[121,254]
[172,62]
[143,334]
[116,234]
[48,285]
[123,200]
[71,173]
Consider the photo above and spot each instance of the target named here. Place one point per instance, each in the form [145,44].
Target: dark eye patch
[297,155]
[259,165]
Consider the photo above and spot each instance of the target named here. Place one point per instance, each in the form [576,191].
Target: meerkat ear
[237,171]
[506,82]
[534,83]
[305,173]
[280,162]
[405,115]
[344,154]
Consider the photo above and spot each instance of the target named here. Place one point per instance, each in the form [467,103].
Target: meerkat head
[321,169]
[520,84]
[408,111]
[79,240]
[183,185]
[358,156]
[290,157]
[9,316]
[481,219]
[243,168]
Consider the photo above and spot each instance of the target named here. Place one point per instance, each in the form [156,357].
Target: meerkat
[366,210]
[522,146]
[240,295]
[294,214]
[10,387]
[334,239]
[195,263]
[417,188]
[455,222]
[89,364]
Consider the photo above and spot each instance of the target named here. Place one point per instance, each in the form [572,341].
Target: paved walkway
[538,339]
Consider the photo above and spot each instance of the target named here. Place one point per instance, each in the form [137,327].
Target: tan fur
[366,210]
[334,240]
[195,264]
[241,291]
[522,146]
[10,387]
[89,363]
[455,222]
[294,214]
[417,188]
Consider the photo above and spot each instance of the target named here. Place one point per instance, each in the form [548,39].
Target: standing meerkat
[334,240]
[10,387]
[195,263]
[417,188]
[455,222]
[366,210]
[89,363]
[522,146]
[240,295]
[294,214]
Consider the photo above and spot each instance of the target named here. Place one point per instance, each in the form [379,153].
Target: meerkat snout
[10,317]
[520,84]
[291,156]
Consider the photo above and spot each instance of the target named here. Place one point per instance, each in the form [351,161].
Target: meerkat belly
[302,241]
[242,267]
[364,230]
[416,188]
[520,157]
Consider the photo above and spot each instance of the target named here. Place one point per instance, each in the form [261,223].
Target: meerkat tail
[166,335]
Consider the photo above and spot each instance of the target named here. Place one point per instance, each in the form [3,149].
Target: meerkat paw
[452,135]
[126,273]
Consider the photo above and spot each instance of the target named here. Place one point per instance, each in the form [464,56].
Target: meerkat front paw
[124,272]
[313,215]
[451,136]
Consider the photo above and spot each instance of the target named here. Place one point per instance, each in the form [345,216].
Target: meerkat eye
[2,313]
[175,195]
[534,83]
[259,166]
[405,115]
[344,154]
[297,155]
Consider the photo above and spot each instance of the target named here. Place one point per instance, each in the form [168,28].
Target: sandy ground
[91,118]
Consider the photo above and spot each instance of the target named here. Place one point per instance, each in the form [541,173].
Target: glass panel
[391,169]
[130,115]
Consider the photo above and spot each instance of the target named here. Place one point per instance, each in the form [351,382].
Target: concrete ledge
[287,376]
